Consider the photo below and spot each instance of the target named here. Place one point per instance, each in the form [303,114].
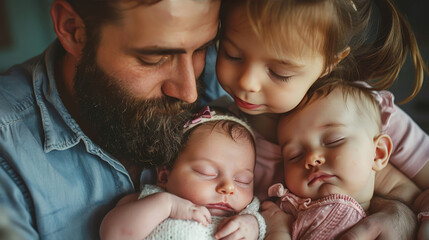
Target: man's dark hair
[96,13]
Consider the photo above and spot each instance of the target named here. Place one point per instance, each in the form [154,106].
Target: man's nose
[182,82]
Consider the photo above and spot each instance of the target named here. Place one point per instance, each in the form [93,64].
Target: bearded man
[80,122]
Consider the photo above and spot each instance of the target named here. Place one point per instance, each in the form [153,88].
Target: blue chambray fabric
[213,89]
[55,183]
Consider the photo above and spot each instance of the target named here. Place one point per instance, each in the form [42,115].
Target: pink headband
[205,115]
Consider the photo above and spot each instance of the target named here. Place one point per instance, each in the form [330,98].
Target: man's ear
[340,56]
[69,27]
[162,173]
[383,149]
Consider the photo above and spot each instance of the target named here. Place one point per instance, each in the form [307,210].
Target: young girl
[272,52]
[332,147]
[210,183]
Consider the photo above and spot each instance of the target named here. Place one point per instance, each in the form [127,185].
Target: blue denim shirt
[55,183]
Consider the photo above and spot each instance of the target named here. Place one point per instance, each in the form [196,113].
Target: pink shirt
[410,143]
[410,147]
[321,219]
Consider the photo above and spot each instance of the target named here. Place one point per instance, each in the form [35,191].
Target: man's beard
[147,132]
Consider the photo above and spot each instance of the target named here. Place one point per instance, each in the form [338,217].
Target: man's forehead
[182,22]
[191,13]
[170,5]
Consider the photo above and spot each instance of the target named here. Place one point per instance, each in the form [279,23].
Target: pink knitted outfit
[320,219]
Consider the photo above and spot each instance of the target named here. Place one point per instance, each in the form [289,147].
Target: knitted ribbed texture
[179,229]
[320,219]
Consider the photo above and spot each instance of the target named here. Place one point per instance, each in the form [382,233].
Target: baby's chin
[220,212]
[329,189]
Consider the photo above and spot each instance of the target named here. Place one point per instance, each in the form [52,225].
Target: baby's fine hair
[331,26]
[360,95]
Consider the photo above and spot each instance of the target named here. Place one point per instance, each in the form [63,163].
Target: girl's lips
[245,105]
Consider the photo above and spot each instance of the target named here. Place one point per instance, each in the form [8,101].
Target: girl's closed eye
[231,53]
[231,57]
[277,76]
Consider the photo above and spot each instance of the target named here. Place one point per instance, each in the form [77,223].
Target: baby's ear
[162,173]
[383,149]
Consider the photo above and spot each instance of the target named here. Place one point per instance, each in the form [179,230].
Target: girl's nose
[249,80]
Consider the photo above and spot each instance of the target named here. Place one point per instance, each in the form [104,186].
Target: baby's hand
[185,209]
[238,227]
[279,223]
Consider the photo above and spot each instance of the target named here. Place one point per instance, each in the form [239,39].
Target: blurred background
[26,30]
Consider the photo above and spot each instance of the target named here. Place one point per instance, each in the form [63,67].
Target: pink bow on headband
[196,118]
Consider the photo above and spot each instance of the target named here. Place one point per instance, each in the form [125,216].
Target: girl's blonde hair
[333,26]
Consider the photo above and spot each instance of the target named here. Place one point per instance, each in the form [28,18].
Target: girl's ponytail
[381,60]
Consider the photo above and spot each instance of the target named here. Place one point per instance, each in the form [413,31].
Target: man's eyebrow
[156,50]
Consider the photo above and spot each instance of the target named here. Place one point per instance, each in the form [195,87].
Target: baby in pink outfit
[332,147]
[323,218]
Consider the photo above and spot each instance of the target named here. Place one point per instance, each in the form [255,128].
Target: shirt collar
[60,129]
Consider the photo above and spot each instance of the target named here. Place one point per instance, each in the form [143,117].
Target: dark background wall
[26,30]
[417,14]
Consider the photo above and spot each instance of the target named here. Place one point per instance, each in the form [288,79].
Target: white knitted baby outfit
[179,229]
